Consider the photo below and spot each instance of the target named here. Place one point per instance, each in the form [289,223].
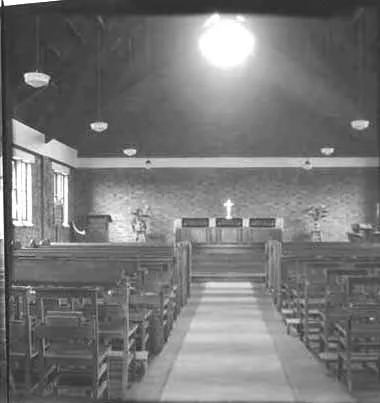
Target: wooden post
[125,380]
[3,327]
[189,268]
[28,334]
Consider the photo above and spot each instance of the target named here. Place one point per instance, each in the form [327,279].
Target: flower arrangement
[317,212]
[139,224]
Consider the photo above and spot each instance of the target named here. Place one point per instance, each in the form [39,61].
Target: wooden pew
[359,332]
[306,278]
[301,293]
[328,299]
[281,257]
[335,299]
[70,342]
[163,272]
[24,352]
[277,253]
[124,328]
[101,261]
[121,329]
[60,264]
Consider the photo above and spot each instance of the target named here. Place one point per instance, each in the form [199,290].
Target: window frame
[61,193]
[22,195]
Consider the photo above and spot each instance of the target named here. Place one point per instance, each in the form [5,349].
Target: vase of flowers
[139,223]
[316,213]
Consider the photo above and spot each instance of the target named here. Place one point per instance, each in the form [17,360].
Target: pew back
[88,264]
[285,260]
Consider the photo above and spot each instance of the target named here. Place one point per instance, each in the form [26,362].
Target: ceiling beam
[232,162]
[101,21]
[75,30]
[320,8]
[56,52]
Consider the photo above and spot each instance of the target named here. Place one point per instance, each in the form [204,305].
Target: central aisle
[230,344]
[227,353]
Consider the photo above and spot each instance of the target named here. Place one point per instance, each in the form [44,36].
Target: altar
[234,230]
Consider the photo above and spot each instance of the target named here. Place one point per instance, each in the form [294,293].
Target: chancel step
[242,262]
[236,277]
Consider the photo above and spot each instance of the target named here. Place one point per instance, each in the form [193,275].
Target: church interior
[191,202]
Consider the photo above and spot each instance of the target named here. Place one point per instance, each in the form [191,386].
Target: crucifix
[228,205]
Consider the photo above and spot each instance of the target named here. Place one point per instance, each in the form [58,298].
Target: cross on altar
[228,205]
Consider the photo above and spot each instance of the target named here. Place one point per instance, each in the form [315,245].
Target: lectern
[97,227]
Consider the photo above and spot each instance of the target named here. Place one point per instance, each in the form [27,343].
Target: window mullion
[23,171]
[29,200]
[19,190]
[66,199]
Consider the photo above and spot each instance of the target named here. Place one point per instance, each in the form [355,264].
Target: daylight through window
[21,192]
[61,197]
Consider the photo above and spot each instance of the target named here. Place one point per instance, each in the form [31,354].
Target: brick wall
[350,195]
[43,206]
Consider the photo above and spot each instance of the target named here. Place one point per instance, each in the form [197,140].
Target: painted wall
[43,206]
[349,193]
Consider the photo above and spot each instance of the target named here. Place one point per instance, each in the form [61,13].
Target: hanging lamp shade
[327,151]
[98,126]
[37,79]
[130,152]
[360,123]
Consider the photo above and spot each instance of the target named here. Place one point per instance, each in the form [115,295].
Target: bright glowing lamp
[327,151]
[130,152]
[226,42]
[360,124]
[99,126]
[36,79]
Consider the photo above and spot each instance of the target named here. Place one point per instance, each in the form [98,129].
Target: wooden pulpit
[97,227]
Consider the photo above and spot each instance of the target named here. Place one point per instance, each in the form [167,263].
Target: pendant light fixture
[226,42]
[307,165]
[148,164]
[37,79]
[360,123]
[99,125]
[130,151]
[327,151]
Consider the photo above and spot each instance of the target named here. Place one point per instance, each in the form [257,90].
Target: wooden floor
[229,344]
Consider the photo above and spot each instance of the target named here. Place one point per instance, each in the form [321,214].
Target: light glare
[226,43]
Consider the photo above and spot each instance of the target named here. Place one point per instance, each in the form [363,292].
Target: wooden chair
[359,332]
[24,352]
[358,342]
[71,344]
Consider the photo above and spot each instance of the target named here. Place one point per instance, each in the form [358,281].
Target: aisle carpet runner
[227,354]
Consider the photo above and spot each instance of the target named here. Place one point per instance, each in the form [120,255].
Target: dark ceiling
[298,91]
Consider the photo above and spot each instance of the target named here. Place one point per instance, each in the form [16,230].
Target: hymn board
[228,229]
